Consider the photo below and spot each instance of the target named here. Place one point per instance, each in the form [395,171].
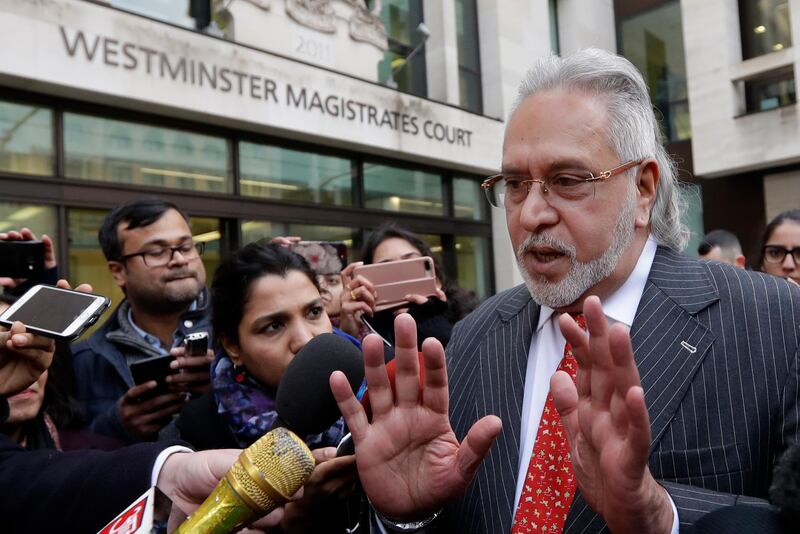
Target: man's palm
[409,460]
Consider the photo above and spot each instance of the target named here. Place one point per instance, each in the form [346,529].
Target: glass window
[111,150]
[469,67]
[653,42]
[472,258]
[693,216]
[770,91]
[86,260]
[469,202]
[208,230]
[403,190]
[765,27]
[174,11]
[280,173]
[26,139]
[401,18]
[40,219]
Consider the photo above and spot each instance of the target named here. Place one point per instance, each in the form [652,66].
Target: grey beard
[582,275]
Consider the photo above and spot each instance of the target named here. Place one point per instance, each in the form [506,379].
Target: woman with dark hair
[780,246]
[435,316]
[266,305]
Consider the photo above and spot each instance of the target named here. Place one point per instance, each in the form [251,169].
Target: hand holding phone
[191,365]
[54,312]
[24,257]
[393,281]
[143,414]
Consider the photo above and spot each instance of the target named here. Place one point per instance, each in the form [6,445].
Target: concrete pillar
[513,33]
[583,24]
[441,50]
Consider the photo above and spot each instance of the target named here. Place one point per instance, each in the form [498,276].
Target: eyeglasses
[777,253]
[161,256]
[568,187]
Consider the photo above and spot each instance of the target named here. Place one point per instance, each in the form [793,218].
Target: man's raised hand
[409,460]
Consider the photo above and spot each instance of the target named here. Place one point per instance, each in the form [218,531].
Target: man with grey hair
[681,406]
[721,245]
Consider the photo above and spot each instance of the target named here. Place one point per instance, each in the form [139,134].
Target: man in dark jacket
[152,257]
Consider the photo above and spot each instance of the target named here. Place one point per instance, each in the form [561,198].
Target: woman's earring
[239,374]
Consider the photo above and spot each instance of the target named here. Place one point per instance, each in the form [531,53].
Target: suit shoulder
[489,314]
[760,288]
[507,301]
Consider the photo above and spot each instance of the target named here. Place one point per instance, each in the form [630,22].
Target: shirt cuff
[675,522]
[162,457]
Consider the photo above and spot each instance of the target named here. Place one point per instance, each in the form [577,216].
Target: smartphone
[346,447]
[157,369]
[21,259]
[393,280]
[61,314]
[324,257]
[196,344]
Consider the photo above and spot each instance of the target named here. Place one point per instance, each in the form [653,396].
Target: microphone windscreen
[304,400]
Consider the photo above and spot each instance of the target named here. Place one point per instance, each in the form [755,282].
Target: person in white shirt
[679,407]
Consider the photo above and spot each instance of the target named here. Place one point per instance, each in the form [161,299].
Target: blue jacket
[101,364]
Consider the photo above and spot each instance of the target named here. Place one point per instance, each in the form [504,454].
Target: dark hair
[230,289]
[459,301]
[389,230]
[788,215]
[723,239]
[137,213]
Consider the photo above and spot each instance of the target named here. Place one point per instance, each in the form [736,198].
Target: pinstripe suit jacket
[717,351]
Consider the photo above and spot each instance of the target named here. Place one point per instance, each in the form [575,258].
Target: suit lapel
[499,390]
[669,344]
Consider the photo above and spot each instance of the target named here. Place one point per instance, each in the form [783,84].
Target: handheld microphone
[265,476]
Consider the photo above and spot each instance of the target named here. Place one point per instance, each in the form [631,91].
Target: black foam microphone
[304,400]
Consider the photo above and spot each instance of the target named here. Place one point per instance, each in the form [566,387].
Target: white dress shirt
[547,350]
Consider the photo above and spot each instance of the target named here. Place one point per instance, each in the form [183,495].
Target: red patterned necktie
[550,482]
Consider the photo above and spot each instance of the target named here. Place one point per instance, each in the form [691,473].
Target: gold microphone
[265,476]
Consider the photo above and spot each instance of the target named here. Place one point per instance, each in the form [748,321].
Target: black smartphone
[21,259]
[346,447]
[157,369]
[61,314]
[196,344]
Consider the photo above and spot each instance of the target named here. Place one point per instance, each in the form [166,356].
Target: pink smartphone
[393,280]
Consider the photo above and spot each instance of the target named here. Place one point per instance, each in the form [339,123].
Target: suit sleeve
[80,491]
[693,502]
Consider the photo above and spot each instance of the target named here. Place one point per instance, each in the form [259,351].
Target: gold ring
[353,294]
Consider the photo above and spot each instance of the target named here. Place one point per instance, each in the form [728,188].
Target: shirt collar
[150,338]
[621,305]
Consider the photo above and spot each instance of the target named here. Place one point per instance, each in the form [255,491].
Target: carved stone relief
[315,14]
[367,26]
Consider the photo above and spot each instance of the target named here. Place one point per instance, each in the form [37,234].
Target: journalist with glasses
[153,258]
[780,246]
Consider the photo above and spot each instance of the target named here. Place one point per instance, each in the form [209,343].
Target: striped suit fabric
[717,352]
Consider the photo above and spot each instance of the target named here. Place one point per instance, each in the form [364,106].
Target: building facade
[722,76]
[326,118]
